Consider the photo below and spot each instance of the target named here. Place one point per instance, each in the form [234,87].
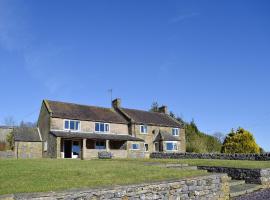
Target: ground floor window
[135,146]
[100,144]
[171,146]
[145,147]
[156,146]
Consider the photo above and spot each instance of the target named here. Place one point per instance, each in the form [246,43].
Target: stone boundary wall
[214,187]
[221,156]
[7,154]
[257,176]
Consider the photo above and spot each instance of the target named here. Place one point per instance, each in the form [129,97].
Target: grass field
[18,176]
[41,175]
[209,162]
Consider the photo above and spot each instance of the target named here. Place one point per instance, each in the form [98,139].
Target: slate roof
[164,136]
[101,136]
[83,112]
[26,134]
[151,118]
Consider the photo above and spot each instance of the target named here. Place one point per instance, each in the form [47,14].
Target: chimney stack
[116,103]
[163,109]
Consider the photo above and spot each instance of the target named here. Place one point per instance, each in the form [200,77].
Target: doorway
[72,148]
[68,148]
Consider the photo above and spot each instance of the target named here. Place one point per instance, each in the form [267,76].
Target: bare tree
[220,136]
[9,121]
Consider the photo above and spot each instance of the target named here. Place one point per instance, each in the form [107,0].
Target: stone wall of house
[152,133]
[44,127]
[257,176]
[28,149]
[140,153]
[89,126]
[214,187]
[51,151]
[262,157]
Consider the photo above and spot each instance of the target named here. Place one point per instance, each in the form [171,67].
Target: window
[157,147]
[135,146]
[102,127]
[73,125]
[100,145]
[171,146]
[143,129]
[45,146]
[175,131]
[145,147]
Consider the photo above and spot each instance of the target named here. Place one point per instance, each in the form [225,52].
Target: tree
[9,121]
[240,141]
[154,107]
[10,140]
[199,142]
[219,136]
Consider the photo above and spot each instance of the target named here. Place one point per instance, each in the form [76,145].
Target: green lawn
[50,174]
[209,162]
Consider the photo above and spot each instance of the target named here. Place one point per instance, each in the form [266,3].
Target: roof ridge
[145,111]
[77,104]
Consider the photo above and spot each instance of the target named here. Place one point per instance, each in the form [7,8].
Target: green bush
[241,141]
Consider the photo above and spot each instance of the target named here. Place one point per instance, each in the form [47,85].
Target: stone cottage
[80,131]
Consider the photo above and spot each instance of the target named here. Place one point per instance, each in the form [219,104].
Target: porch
[87,145]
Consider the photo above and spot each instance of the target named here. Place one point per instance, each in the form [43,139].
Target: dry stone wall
[221,156]
[214,187]
[256,176]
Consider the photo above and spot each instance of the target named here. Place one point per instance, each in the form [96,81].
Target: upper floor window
[171,146]
[72,125]
[175,131]
[102,127]
[143,129]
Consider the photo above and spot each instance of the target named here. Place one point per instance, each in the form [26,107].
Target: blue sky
[207,60]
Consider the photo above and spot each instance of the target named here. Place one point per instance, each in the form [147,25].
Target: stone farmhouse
[70,130]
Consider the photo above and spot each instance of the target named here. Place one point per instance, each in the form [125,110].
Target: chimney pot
[116,103]
[163,109]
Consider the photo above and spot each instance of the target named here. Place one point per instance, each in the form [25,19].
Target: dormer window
[175,131]
[143,129]
[102,127]
[72,125]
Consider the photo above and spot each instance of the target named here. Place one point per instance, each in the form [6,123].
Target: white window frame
[145,128]
[109,128]
[174,142]
[177,131]
[45,147]
[135,144]
[73,130]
